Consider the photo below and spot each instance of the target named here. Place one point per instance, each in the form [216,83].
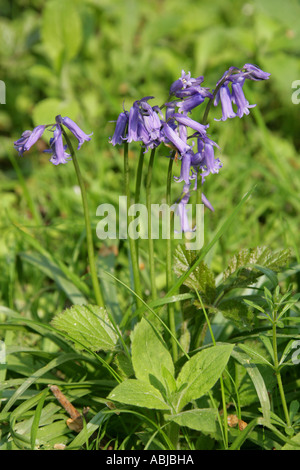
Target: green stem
[132,244]
[138,184]
[169,272]
[89,237]
[278,377]
[139,176]
[225,424]
[150,240]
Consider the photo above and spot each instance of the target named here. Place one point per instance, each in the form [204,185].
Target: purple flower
[170,136]
[185,168]
[207,203]
[119,134]
[209,162]
[144,124]
[75,129]
[237,79]
[190,103]
[28,139]
[224,96]
[181,209]
[186,121]
[58,149]
[239,99]
[185,81]
[255,73]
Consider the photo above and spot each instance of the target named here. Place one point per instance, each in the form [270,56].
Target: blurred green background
[86,58]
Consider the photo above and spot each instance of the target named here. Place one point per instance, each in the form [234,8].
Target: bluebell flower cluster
[57,149]
[189,138]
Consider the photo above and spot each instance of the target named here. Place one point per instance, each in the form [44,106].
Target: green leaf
[45,111]
[150,355]
[257,380]
[138,393]
[89,325]
[238,312]
[201,278]
[240,273]
[200,373]
[204,420]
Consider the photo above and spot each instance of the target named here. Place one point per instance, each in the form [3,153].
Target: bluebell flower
[58,149]
[224,96]
[121,125]
[185,81]
[255,73]
[75,129]
[185,171]
[144,124]
[239,99]
[28,139]
[171,138]
[236,77]
[209,163]
[181,209]
[188,122]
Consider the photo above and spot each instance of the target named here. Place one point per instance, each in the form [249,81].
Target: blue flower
[75,129]
[58,149]
[121,125]
[236,77]
[224,96]
[28,139]
[181,209]
[184,82]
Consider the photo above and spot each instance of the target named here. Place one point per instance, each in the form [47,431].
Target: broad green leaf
[45,111]
[238,312]
[240,273]
[138,393]
[201,279]
[149,355]
[89,325]
[200,373]
[204,420]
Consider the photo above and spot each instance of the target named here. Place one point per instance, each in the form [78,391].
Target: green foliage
[84,59]
[89,326]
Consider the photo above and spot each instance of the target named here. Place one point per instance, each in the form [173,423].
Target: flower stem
[89,237]
[169,272]
[221,378]
[132,244]
[138,183]
[278,376]
[150,240]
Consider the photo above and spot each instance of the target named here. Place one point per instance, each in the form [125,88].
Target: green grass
[98,55]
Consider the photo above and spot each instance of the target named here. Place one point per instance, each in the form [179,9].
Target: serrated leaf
[201,279]
[200,373]
[238,312]
[89,325]
[204,420]
[240,273]
[149,354]
[138,393]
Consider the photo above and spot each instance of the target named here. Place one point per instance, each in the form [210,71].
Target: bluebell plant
[150,126]
[57,148]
